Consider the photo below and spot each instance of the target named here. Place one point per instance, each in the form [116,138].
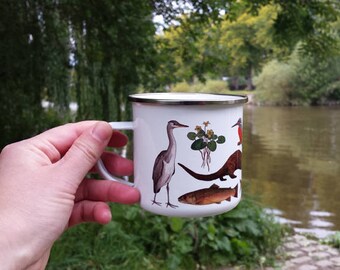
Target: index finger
[62,137]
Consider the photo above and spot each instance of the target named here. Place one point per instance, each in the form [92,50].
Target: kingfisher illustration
[239,124]
[164,167]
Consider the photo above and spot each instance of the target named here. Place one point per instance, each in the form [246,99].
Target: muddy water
[291,164]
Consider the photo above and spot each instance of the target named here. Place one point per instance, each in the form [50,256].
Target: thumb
[86,150]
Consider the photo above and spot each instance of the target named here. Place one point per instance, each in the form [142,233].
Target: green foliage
[274,85]
[94,53]
[295,21]
[247,41]
[24,58]
[333,240]
[300,80]
[97,52]
[309,23]
[317,80]
[136,239]
[210,86]
[112,57]
[249,35]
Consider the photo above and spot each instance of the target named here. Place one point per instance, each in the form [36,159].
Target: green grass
[333,240]
[136,239]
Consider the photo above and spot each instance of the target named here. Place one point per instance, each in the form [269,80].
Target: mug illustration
[205,141]
[164,167]
[232,164]
[186,152]
[239,130]
[213,194]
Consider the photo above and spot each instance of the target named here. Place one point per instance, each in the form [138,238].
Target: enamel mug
[187,151]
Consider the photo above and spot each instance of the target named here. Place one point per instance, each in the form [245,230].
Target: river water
[291,164]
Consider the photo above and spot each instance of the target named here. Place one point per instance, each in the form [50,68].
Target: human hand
[43,189]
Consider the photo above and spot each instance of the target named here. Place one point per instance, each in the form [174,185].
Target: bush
[299,81]
[210,86]
[275,84]
[318,80]
[136,239]
[333,240]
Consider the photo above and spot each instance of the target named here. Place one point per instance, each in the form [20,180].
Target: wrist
[14,252]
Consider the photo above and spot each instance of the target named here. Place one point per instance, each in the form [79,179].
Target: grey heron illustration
[164,167]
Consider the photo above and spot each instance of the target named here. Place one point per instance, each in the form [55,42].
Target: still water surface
[291,164]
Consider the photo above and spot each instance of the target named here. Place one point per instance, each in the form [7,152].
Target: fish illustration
[232,164]
[213,194]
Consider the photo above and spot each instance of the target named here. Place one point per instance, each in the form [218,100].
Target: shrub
[275,84]
[318,80]
[210,86]
[333,240]
[301,80]
[136,239]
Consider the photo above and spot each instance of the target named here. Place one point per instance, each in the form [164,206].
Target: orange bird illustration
[239,124]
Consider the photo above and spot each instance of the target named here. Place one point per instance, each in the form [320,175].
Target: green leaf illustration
[198,144]
[191,136]
[221,139]
[214,137]
[212,146]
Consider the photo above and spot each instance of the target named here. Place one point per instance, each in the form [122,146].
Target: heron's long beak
[181,125]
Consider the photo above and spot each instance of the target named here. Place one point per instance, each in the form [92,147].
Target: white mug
[187,150]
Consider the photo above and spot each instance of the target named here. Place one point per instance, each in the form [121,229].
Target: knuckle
[10,149]
[7,149]
[87,151]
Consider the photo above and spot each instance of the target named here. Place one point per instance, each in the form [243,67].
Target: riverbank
[301,253]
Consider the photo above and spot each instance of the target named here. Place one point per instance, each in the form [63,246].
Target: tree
[303,21]
[26,67]
[97,52]
[248,43]
[246,37]
[94,52]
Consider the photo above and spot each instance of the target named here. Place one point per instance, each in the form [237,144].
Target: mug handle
[100,164]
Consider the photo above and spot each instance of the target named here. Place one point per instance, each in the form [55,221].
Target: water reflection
[292,163]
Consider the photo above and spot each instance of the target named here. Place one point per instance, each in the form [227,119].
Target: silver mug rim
[163,98]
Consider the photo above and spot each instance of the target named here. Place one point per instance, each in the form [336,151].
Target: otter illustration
[233,163]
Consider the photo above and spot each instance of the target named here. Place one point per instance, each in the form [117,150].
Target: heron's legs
[168,203]
[155,202]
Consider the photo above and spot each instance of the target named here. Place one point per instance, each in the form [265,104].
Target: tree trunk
[249,78]
[235,83]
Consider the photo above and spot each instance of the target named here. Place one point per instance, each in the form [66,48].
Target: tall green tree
[113,49]
[238,43]
[92,52]
[248,43]
[97,52]
[297,20]
[28,56]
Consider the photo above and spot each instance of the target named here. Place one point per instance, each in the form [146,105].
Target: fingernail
[107,216]
[101,131]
